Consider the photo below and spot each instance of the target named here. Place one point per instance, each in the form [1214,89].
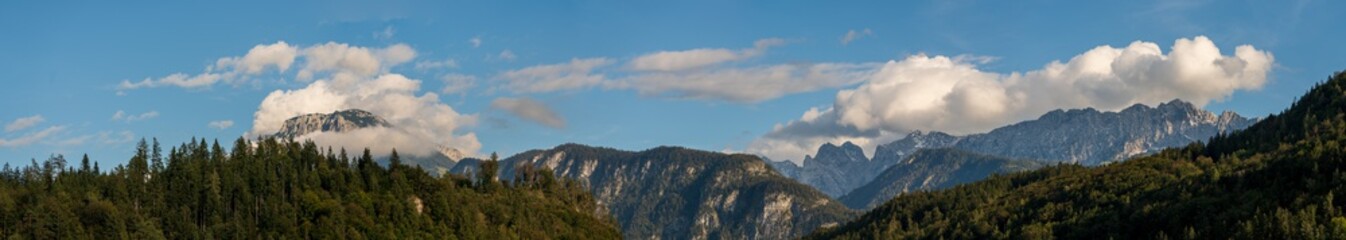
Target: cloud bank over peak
[340,76]
[939,93]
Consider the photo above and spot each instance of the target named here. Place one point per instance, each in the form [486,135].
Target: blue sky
[63,62]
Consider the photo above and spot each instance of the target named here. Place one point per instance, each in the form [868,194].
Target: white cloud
[531,110]
[279,56]
[475,41]
[176,79]
[746,84]
[507,55]
[30,138]
[431,65]
[123,116]
[341,58]
[692,74]
[576,74]
[697,58]
[24,123]
[417,118]
[221,124]
[457,83]
[952,95]
[853,35]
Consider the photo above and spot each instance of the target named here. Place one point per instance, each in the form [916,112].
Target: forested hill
[1275,180]
[284,190]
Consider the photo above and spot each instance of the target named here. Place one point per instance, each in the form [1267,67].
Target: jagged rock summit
[442,160]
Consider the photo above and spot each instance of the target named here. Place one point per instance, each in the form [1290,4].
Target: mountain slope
[932,169]
[1275,180]
[836,170]
[678,193]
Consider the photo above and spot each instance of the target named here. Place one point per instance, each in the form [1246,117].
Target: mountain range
[1082,136]
[679,193]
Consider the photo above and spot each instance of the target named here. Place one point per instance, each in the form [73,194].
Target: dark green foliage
[1276,180]
[283,190]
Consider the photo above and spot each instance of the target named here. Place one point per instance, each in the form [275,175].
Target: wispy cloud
[221,124]
[530,110]
[123,116]
[853,35]
[24,123]
[30,138]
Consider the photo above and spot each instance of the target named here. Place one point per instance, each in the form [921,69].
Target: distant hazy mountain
[351,119]
[678,193]
[932,169]
[1085,136]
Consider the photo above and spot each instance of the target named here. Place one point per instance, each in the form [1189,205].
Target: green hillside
[283,190]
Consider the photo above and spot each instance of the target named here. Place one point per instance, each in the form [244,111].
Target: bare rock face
[339,121]
[679,193]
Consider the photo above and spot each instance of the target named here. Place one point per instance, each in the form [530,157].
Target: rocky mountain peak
[339,121]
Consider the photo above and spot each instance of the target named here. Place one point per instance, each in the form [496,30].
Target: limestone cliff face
[339,121]
[678,193]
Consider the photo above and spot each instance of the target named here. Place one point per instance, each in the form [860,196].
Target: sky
[770,78]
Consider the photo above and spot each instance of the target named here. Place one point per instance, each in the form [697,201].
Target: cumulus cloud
[457,83]
[221,124]
[475,41]
[344,59]
[24,123]
[30,138]
[417,118]
[952,95]
[702,57]
[853,35]
[123,116]
[279,56]
[531,110]
[576,74]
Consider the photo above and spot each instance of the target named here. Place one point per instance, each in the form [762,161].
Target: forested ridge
[270,189]
[1278,179]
